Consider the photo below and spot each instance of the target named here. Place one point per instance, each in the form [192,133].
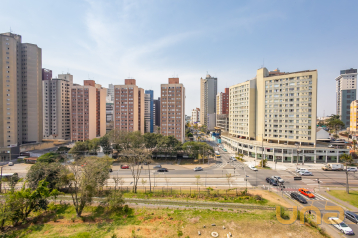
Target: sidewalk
[339,201]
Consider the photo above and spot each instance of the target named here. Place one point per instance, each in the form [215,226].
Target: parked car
[157,166]
[110,170]
[252,167]
[268,179]
[300,169]
[162,170]
[278,179]
[306,192]
[298,197]
[10,163]
[233,158]
[198,169]
[351,216]
[341,226]
[306,173]
[331,146]
[273,182]
[124,167]
[225,150]
[352,169]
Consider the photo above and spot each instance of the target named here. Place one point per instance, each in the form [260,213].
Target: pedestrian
[309,212]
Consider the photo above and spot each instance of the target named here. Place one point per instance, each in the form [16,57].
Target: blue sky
[151,41]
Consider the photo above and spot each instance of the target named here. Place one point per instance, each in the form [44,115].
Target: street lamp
[297,152]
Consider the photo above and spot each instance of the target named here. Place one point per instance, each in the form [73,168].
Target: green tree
[87,176]
[347,159]
[151,140]
[335,124]
[55,174]
[354,142]
[79,149]
[198,149]
[105,144]
[13,180]
[114,201]
[25,201]
[263,163]
[50,157]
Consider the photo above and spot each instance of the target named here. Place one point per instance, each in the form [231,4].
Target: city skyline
[109,42]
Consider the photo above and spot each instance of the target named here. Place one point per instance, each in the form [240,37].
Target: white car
[352,169]
[305,173]
[278,179]
[233,158]
[252,167]
[10,163]
[300,170]
[198,169]
[341,226]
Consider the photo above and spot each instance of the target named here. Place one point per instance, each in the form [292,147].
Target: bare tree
[116,181]
[167,181]
[143,182]
[197,181]
[121,182]
[229,179]
[135,157]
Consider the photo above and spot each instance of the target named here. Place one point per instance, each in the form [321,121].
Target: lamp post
[297,152]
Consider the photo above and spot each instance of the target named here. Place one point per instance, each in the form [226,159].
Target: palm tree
[347,159]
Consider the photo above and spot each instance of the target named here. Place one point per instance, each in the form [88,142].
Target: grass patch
[351,198]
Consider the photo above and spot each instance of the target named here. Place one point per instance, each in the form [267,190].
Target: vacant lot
[161,222]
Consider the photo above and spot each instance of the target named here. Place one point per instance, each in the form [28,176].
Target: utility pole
[1,180]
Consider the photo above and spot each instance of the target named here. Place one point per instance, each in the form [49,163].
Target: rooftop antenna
[10,30]
[324,113]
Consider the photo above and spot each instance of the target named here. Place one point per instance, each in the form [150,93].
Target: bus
[9,175]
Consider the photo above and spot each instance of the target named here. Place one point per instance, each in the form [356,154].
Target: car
[217,152]
[252,168]
[298,197]
[110,170]
[306,193]
[305,173]
[162,170]
[198,169]
[352,169]
[268,179]
[157,166]
[331,146]
[278,179]
[351,216]
[225,150]
[341,226]
[300,169]
[124,167]
[273,182]
[233,158]
[10,163]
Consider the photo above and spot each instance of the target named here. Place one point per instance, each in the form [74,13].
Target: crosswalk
[316,198]
[224,164]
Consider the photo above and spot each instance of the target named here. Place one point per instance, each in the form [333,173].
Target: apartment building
[172,105]
[88,108]
[346,92]
[21,94]
[46,74]
[129,107]
[208,92]
[110,92]
[156,115]
[195,116]
[148,111]
[222,102]
[57,106]
[354,117]
[242,109]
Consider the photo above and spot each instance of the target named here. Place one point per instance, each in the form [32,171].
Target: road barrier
[297,178]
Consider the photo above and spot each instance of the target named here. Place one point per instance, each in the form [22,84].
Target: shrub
[258,197]
[180,233]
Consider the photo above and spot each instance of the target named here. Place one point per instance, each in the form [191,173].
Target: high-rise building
[46,74]
[129,107]
[110,92]
[346,92]
[88,108]
[172,106]
[195,116]
[354,118]
[21,81]
[222,102]
[156,103]
[148,111]
[56,107]
[208,92]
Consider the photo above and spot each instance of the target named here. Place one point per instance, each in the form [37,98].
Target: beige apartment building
[88,108]
[172,104]
[195,116]
[129,107]
[21,91]
[57,107]
[354,117]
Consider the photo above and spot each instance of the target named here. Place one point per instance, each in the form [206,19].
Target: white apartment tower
[56,107]
[110,92]
[346,92]
[208,92]
[21,95]
[195,116]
